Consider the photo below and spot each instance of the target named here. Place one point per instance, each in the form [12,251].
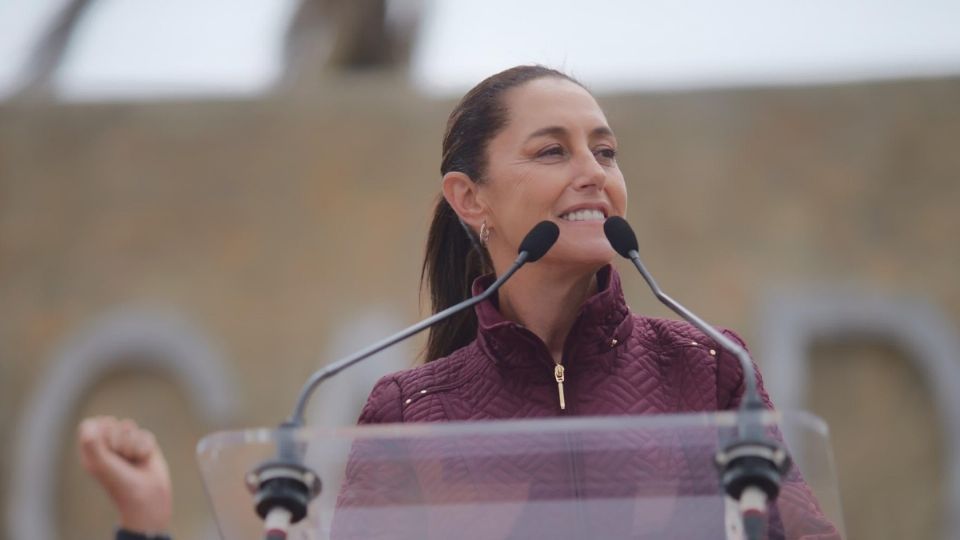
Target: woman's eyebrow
[602,131]
[556,131]
[559,131]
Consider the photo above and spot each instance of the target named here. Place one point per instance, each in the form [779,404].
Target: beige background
[270,223]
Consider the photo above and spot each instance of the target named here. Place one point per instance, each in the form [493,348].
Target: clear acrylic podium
[559,478]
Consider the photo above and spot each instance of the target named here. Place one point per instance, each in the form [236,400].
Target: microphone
[283,487]
[752,464]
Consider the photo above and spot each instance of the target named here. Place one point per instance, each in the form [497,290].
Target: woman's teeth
[583,215]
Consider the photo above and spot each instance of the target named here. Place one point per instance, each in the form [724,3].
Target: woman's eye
[551,151]
[608,154]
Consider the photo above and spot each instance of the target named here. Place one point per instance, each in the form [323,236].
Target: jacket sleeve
[796,513]
[380,496]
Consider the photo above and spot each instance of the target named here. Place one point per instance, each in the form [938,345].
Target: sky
[154,48]
[157,49]
[664,44]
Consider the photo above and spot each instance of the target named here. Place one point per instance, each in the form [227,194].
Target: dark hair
[454,257]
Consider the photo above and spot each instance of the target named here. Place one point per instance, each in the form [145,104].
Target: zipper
[558,375]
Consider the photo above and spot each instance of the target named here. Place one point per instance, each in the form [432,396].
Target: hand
[127,462]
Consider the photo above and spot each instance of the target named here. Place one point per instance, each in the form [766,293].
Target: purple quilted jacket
[616,363]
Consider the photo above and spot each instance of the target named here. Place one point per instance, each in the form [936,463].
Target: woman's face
[554,160]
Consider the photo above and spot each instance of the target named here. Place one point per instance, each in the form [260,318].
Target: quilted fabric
[616,363]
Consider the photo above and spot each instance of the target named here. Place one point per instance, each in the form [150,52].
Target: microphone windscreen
[539,240]
[620,235]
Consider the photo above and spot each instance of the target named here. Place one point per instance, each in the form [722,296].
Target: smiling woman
[525,145]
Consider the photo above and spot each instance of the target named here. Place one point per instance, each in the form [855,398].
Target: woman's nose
[590,173]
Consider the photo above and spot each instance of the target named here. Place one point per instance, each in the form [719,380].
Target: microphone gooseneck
[751,465]
[534,246]
[283,487]
[624,242]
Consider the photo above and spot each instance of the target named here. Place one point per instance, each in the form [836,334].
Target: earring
[484,233]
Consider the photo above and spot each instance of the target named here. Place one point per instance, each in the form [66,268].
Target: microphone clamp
[282,485]
[756,463]
[751,471]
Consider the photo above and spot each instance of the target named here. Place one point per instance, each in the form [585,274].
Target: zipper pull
[558,375]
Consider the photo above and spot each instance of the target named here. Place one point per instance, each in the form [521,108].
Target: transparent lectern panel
[584,477]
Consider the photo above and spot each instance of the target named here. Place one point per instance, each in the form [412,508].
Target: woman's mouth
[583,215]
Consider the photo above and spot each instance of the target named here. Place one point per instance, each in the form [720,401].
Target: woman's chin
[587,255]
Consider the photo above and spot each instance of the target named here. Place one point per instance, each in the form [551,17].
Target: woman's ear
[463,195]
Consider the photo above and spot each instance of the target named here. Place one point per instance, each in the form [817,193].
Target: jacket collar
[599,331]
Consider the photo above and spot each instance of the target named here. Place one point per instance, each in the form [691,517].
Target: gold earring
[484,233]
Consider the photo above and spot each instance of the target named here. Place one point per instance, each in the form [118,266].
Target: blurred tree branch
[49,51]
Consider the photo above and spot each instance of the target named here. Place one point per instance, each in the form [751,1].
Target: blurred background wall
[188,262]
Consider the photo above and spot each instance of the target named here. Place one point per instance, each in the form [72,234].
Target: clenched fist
[127,462]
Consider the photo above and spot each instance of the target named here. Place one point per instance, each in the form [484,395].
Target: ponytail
[454,259]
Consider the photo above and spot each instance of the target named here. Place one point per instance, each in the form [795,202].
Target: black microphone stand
[283,487]
[751,464]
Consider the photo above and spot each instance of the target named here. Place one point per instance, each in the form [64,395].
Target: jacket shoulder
[669,333]
[717,371]
[392,392]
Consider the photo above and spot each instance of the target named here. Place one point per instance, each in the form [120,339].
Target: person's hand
[127,462]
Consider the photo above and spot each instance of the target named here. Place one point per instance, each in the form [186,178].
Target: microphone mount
[752,464]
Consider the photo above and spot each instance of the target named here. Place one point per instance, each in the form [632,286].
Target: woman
[525,145]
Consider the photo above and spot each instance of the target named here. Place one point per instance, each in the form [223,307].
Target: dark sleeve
[796,513]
